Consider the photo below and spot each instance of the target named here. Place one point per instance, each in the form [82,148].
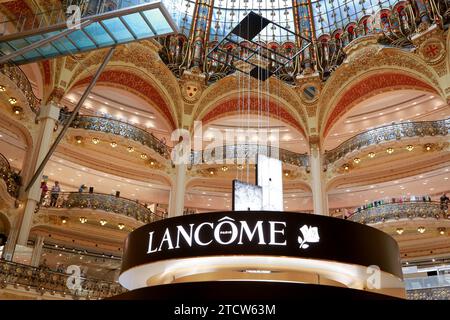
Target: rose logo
[310,234]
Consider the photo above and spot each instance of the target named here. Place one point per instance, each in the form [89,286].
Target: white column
[8,249]
[37,251]
[320,197]
[48,116]
[176,201]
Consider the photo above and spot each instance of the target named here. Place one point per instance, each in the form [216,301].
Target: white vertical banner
[270,179]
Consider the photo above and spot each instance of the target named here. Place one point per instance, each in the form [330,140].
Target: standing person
[54,194]
[444,202]
[82,187]
[44,190]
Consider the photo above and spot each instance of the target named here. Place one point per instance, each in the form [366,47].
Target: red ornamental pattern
[18,8]
[47,73]
[377,82]
[253,106]
[136,83]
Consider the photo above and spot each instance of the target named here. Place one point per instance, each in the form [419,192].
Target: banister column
[37,251]
[177,193]
[320,197]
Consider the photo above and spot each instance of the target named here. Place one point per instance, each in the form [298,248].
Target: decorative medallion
[432,51]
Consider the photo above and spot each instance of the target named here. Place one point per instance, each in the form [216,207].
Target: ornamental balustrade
[396,211]
[428,288]
[104,202]
[126,130]
[44,280]
[16,75]
[11,178]
[241,153]
[388,133]
[429,294]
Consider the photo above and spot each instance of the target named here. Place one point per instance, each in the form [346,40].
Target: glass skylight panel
[118,30]
[99,34]
[81,40]
[158,21]
[138,25]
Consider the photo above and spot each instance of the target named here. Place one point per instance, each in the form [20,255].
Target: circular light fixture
[95,140]
[103,222]
[357,160]
[2,88]
[120,226]
[211,172]
[421,229]
[152,163]
[409,147]
[12,101]
[113,144]
[130,149]
[64,221]
[17,110]
[442,231]
[390,150]
[428,147]
[143,156]
[224,168]
[400,230]
[346,167]
[240,166]
[371,154]
[83,219]
[286,173]
[79,139]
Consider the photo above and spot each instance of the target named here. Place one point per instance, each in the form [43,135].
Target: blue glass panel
[6,48]
[18,43]
[159,23]
[81,40]
[99,34]
[118,30]
[65,46]
[138,25]
[48,50]
[36,38]
[33,54]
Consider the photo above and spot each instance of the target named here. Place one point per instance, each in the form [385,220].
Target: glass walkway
[60,35]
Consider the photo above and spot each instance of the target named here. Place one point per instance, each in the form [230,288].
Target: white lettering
[187,237]
[250,234]
[166,238]
[218,232]
[197,234]
[274,231]
[150,242]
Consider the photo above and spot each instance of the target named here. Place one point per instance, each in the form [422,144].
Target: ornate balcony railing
[248,151]
[428,288]
[43,280]
[20,79]
[388,133]
[105,202]
[429,294]
[396,211]
[11,178]
[126,130]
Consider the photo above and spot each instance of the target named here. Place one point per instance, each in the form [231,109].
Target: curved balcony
[16,75]
[126,130]
[11,178]
[396,211]
[44,280]
[248,151]
[104,202]
[388,133]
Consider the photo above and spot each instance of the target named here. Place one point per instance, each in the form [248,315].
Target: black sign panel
[262,233]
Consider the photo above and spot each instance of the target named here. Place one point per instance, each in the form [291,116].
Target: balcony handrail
[442,280]
[21,80]
[388,133]
[398,210]
[118,127]
[44,279]
[286,156]
[103,201]
[11,178]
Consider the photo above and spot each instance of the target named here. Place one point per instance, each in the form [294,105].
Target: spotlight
[130,149]
[346,167]
[211,172]
[120,226]
[286,173]
[2,88]
[400,230]
[442,231]
[95,140]
[12,101]
[390,150]
[421,229]
[224,168]
[79,139]
[103,222]
[371,154]
[143,156]
[17,109]
[357,160]
[428,147]
[64,221]
[83,219]
[152,163]
[113,144]
[409,147]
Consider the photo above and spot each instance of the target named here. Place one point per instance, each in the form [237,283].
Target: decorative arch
[369,71]
[138,85]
